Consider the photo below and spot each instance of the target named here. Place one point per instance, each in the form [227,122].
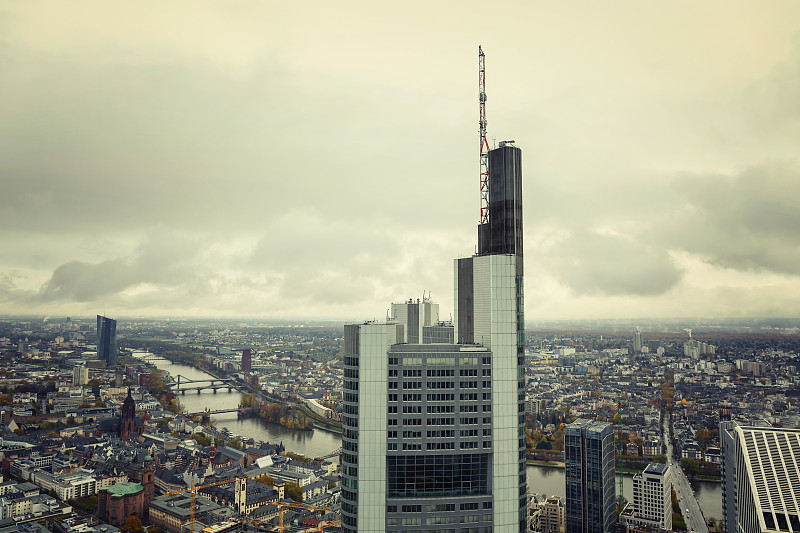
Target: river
[550,481]
[315,443]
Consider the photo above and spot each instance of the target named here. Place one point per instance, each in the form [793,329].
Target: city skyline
[263,161]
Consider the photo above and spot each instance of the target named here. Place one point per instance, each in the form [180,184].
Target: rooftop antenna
[484,153]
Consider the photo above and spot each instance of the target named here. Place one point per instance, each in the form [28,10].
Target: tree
[294,492]
[132,525]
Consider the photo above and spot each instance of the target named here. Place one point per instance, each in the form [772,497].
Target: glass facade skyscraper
[107,340]
[589,462]
[760,478]
[434,431]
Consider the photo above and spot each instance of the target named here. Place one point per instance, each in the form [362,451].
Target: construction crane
[240,499]
[484,151]
[241,487]
[283,505]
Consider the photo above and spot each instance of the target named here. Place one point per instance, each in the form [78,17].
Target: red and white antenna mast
[484,167]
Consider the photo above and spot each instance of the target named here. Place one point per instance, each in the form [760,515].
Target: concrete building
[760,478]
[652,498]
[589,463]
[107,340]
[451,450]
[172,512]
[80,375]
[553,516]
[637,341]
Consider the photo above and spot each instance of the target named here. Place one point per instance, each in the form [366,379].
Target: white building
[80,375]
[652,498]
[760,478]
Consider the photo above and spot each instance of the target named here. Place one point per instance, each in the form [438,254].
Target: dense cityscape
[68,451]
[217,221]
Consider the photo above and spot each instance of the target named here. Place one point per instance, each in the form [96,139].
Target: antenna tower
[484,166]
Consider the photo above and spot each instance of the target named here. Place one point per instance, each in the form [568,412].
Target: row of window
[441,508]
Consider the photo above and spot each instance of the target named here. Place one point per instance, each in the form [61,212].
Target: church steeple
[127,421]
[213,451]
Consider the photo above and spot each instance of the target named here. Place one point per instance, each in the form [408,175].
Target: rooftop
[123,489]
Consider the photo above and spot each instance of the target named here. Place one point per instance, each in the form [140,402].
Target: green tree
[294,492]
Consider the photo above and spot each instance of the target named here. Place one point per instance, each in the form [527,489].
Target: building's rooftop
[123,489]
[656,468]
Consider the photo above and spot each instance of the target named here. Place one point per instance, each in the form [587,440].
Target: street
[690,509]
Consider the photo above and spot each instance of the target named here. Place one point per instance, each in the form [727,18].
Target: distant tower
[107,340]
[246,361]
[637,341]
[80,375]
[213,452]
[589,459]
[128,420]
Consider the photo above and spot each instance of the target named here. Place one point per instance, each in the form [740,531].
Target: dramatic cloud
[606,264]
[745,222]
[262,161]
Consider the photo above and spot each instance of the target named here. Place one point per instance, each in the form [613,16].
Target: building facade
[434,431]
[247,362]
[107,340]
[116,503]
[652,498]
[589,465]
[80,375]
[760,478]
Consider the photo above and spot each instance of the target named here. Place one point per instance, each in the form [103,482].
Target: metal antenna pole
[484,152]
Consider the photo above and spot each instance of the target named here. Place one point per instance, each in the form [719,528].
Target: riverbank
[320,422]
[546,464]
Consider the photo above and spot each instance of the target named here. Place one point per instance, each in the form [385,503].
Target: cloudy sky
[320,159]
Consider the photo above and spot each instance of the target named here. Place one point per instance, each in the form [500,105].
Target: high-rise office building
[107,340]
[434,431]
[760,478]
[589,461]
[652,498]
[637,341]
[80,375]
[247,364]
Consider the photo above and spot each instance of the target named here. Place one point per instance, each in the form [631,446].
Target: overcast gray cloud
[265,161]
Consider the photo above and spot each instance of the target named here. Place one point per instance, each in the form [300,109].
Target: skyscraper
[434,432]
[80,375]
[637,341]
[247,364]
[107,340]
[591,495]
[760,478]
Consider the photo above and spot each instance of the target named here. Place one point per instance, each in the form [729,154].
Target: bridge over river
[182,384]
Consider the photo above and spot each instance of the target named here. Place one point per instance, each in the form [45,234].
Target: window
[414,475]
